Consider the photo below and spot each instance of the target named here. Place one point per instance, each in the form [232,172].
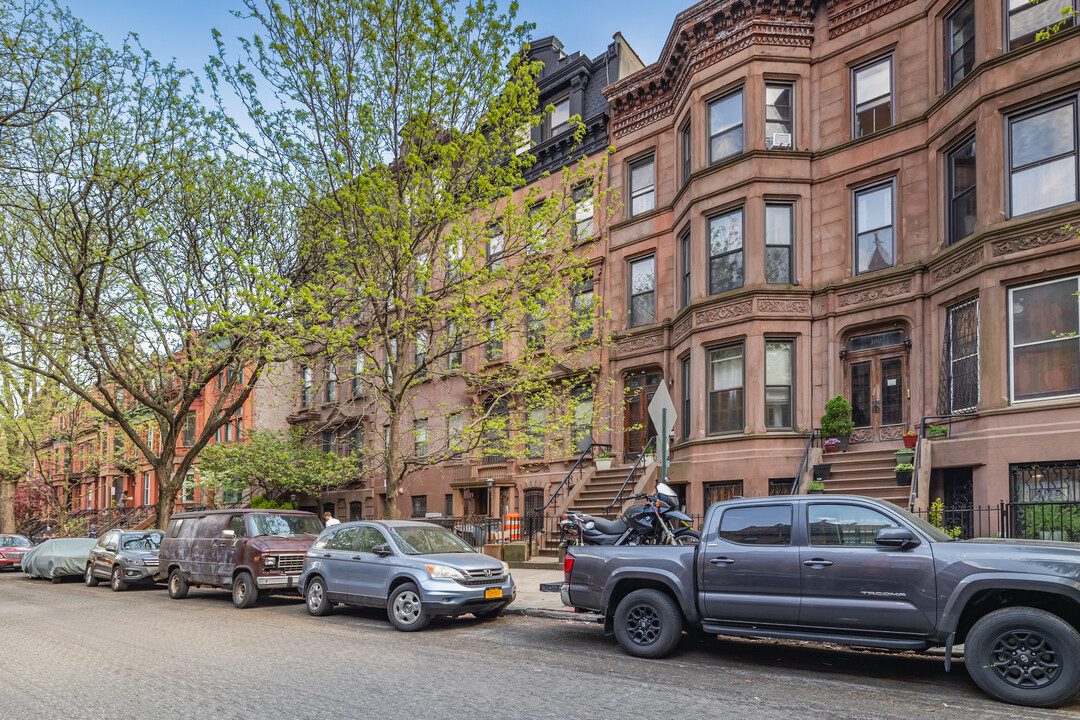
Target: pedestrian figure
[330,519]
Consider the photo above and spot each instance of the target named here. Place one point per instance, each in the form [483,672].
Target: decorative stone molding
[682,329]
[1028,242]
[859,435]
[891,432]
[959,265]
[702,36]
[875,293]
[846,15]
[710,316]
[783,305]
[638,343]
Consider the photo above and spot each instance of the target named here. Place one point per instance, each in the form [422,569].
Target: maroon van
[246,551]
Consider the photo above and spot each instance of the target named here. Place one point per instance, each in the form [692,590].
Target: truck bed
[597,570]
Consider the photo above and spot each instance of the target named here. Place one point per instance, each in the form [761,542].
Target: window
[726,127]
[358,374]
[584,209]
[326,441]
[684,137]
[454,254]
[1042,158]
[779,363]
[583,310]
[642,291]
[684,260]
[234,376]
[686,397]
[343,539]
[560,117]
[535,432]
[356,445]
[189,430]
[331,382]
[779,118]
[453,359]
[420,350]
[523,140]
[875,247]
[848,525]
[779,231]
[961,357]
[726,252]
[493,350]
[419,505]
[763,525]
[238,424]
[188,491]
[873,97]
[305,386]
[537,237]
[583,418]
[534,328]
[961,169]
[1026,19]
[420,438]
[642,186]
[959,43]
[449,500]
[1044,339]
[721,491]
[146,488]
[495,247]
[780,486]
[454,437]
[726,389]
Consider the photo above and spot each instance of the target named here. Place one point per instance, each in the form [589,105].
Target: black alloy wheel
[648,623]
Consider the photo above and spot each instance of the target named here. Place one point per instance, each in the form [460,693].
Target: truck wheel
[1025,656]
[405,610]
[648,624]
[315,597]
[244,592]
[89,578]
[178,586]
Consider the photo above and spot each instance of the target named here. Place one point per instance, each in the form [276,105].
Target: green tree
[397,125]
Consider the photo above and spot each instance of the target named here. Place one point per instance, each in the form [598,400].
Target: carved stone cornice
[791,306]
[682,329]
[846,15]
[639,343]
[879,292]
[959,265]
[1029,242]
[702,36]
[722,313]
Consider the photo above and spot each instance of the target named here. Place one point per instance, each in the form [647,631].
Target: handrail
[641,455]
[586,451]
[802,463]
[918,450]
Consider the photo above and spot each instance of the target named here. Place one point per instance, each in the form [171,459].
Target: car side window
[174,527]
[343,539]
[847,525]
[757,525]
[110,541]
[236,524]
[369,538]
[323,541]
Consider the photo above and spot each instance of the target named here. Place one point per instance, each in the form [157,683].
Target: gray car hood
[461,561]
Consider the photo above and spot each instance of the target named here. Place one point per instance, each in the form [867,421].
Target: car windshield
[141,541]
[934,533]
[428,541]
[15,541]
[284,525]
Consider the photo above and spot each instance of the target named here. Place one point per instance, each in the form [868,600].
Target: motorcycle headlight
[442,572]
[270,561]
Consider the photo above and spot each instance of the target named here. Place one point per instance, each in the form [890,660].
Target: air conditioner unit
[779,141]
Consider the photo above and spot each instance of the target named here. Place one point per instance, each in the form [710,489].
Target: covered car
[58,557]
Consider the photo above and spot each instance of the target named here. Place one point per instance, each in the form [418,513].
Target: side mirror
[897,537]
[228,534]
[382,550]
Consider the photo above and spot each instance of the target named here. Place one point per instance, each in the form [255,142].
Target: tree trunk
[392,478]
[168,486]
[7,507]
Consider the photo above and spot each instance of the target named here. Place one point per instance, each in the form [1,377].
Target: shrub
[937,519]
[905,467]
[261,502]
[836,422]
[817,485]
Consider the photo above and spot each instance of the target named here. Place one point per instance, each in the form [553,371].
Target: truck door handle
[721,561]
[326,554]
[357,557]
[817,562]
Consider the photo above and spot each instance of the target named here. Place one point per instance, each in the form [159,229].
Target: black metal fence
[1018,520]
[477,530]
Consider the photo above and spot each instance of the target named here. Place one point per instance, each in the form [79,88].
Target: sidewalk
[533,603]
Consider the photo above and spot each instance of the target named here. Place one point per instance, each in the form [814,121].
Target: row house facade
[855,197]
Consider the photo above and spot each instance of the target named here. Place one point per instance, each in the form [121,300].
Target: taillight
[567,566]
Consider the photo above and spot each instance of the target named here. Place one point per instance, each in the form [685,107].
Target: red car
[12,549]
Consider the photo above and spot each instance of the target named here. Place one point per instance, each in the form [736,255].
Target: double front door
[877,386]
[639,428]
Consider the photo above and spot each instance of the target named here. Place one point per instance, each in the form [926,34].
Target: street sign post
[662,412]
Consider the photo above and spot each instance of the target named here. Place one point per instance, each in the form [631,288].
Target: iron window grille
[959,387]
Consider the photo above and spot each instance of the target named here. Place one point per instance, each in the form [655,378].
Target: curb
[569,615]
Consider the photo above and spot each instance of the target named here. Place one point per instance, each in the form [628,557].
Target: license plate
[493,593]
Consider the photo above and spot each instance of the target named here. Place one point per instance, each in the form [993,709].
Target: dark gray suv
[124,557]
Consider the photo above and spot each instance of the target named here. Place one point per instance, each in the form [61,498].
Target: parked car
[56,558]
[124,557]
[853,571]
[246,551]
[12,549]
[415,570]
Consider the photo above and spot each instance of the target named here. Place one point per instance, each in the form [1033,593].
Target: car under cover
[58,557]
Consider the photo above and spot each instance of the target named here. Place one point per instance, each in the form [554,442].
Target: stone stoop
[600,490]
[867,470]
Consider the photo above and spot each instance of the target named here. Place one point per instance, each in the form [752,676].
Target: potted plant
[903,473]
[603,460]
[832,445]
[937,432]
[904,456]
[816,488]
[836,422]
[910,438]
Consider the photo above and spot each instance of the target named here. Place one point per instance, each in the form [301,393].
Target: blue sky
[182,29]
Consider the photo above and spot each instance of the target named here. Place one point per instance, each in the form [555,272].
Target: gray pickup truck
[853,571]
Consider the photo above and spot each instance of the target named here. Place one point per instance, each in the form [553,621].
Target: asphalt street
[68,651]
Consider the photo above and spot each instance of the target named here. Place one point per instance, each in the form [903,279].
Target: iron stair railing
[622,488]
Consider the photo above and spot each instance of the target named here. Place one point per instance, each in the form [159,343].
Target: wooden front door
[877,383]
[639,428]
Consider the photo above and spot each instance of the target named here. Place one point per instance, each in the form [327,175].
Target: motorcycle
[654,522]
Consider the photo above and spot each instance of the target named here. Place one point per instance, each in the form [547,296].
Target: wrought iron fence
[1017,520]
[477,530]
